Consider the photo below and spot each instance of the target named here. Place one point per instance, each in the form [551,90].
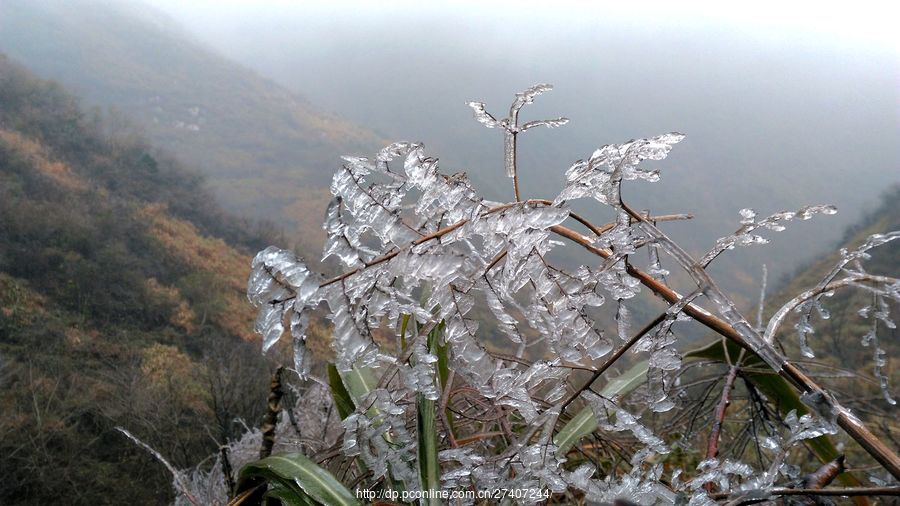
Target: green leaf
[429,467]
[279,494]
[342,399]
[584,422]
[440,351]
[404,323]
[296,479]
[626,383]
[776,389]
[361,381]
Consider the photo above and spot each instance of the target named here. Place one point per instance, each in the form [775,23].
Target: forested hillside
[121,304]
[267,152]
[839,340]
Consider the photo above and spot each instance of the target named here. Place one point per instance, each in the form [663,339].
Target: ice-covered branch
[511,126]
[422,250]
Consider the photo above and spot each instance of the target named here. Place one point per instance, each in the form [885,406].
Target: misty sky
[797,96]
[784,104]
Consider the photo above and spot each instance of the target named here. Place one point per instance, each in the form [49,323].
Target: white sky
[873,24]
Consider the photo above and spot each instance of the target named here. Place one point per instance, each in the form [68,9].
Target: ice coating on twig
[745,235]
[419,245]
[511,123]
[842,275]
[281,286]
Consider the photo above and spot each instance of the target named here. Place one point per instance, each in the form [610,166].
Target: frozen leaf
[549,123]
[482,116]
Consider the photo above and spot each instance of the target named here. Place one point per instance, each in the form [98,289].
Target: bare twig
[853,426]
[828,492]
[176,475]
[712,448]
[824,475]
[612,360]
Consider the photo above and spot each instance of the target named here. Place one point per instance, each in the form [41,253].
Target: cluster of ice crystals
[380,438]
[613,418]
[808,426]
[746,235]
[510,124]
[726,474]
[847,272]
[281,286]
[640,486]
[467,463]
[421,376]
[422,247]
[600,176]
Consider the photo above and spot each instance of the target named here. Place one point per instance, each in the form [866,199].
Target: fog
[783,106]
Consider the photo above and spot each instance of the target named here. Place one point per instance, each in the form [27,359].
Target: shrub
[468,359]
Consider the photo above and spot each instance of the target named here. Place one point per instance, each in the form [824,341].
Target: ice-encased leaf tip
[482,116]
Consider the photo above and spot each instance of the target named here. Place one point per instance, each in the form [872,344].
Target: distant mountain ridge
[121,303]
[268,152]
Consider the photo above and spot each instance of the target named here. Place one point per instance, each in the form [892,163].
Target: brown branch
[270,421]
[478,437]
[830,492]
[712,448]
[434,235]
[823,476]
[450,228]
[615,356]
[862,435]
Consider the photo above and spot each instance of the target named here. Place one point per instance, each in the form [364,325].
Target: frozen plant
[435,280]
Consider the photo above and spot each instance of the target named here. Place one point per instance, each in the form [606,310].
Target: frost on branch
[511,123]
[847,272]
[281,286]
[429,271]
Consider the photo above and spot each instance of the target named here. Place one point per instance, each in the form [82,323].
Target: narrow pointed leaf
[584,422]
[300,476]
[404,323]
[287,497]
[360,381]
[429,467]
[777,390]
[342,399]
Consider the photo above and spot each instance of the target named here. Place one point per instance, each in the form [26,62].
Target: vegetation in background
[266,151]
[104,245]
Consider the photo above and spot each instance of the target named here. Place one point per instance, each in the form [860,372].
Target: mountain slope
[267,151]
[842,361]
[840,334]
[121,303]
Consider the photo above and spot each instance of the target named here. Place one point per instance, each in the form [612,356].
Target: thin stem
[515,168]
[712,448]
[832,492]
[853,426]
[442,409]
[615,356]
